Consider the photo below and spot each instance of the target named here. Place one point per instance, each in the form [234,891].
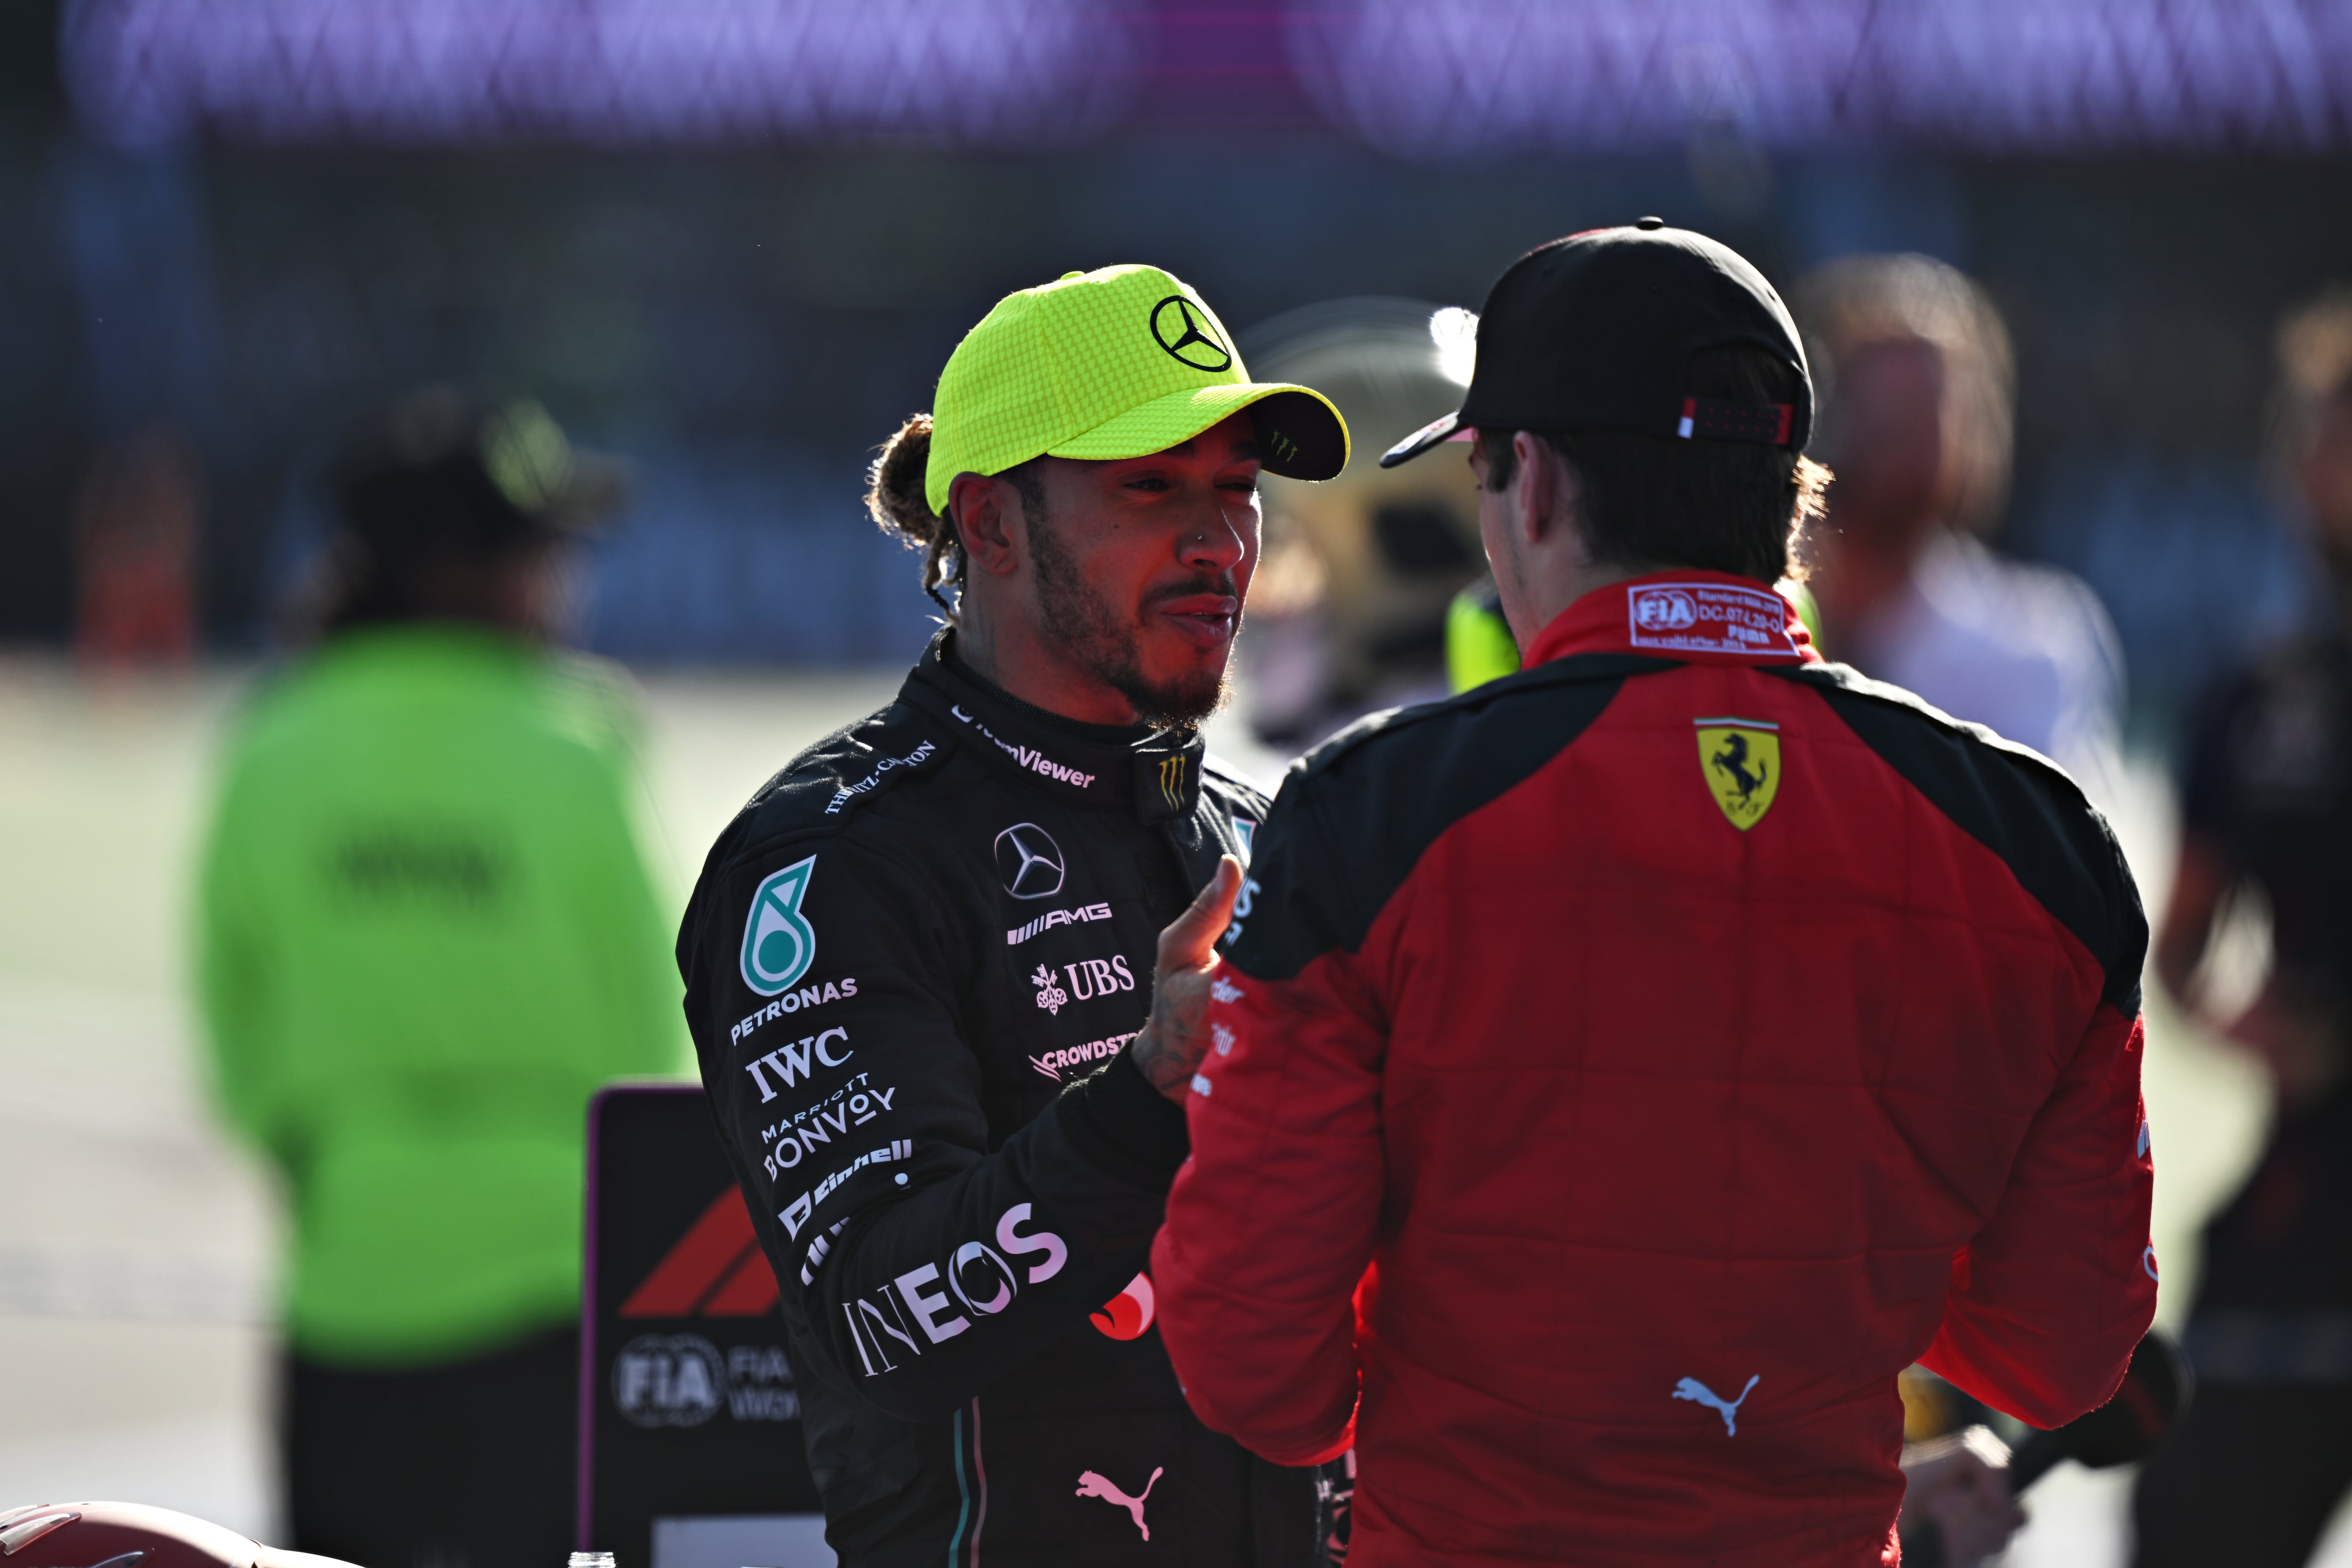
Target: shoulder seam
[808,765]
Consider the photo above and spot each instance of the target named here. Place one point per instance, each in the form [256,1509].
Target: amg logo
[1052,917]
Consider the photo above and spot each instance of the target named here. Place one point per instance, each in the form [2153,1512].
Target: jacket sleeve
[924,1265]
[2049,1299]
[1271,1225]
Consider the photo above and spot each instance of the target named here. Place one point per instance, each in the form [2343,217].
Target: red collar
[1699,617]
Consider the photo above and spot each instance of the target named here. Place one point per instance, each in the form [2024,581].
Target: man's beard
[1092,636]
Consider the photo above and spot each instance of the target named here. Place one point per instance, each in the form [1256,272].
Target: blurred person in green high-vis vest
[426,937]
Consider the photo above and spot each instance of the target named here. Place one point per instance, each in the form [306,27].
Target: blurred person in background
[2266,1453]
[1347,613]
[1478,643]
[1917,382]
[427,936]
[136,527]
[920,962]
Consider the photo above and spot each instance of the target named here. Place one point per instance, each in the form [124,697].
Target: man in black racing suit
[921,963]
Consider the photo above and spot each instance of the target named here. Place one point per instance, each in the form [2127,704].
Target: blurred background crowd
[2068,269]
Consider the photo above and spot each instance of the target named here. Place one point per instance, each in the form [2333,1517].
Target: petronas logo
[779,944]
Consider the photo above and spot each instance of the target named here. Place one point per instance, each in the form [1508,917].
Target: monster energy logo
[1171,780]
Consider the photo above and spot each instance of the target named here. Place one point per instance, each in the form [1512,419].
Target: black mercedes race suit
[913,965]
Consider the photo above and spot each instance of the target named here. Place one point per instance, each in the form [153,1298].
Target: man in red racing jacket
[1623,1071]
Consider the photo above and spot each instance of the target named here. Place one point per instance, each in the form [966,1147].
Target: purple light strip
[429,72]
[1420,78]
[1438,78]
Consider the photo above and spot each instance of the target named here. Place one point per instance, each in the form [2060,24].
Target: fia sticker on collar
[1709,618]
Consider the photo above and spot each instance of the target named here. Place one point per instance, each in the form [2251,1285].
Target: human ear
[989,522]
[1533,488]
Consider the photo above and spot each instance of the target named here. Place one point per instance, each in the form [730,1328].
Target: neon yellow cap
[1119,362]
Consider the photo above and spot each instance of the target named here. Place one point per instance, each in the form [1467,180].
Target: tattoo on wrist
[1161,1060]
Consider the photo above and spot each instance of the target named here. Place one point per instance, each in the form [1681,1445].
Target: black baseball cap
[440,465]
[1596,331]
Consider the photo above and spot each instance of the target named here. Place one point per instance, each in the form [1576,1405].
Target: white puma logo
[1093,1484]
[1697,1393]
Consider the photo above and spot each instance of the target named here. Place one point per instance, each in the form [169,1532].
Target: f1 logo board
[691,1447]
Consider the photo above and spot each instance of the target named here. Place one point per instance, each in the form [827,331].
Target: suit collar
[1693,617]
[1156,774]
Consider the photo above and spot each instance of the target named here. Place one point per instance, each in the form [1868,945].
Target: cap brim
[1300,435]
[1436,433]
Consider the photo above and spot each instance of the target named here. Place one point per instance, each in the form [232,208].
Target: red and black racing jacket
[1628,1067]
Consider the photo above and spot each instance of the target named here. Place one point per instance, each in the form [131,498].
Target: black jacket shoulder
[828,784]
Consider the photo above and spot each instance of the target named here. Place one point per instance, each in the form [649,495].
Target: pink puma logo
[1093,1484]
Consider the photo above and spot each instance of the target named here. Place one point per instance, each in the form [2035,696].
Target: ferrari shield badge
[1741,760]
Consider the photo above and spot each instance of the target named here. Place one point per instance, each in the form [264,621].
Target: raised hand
[1176,1036]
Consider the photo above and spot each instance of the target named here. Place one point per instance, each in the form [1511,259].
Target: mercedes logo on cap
[1029,862]
[1184,332]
